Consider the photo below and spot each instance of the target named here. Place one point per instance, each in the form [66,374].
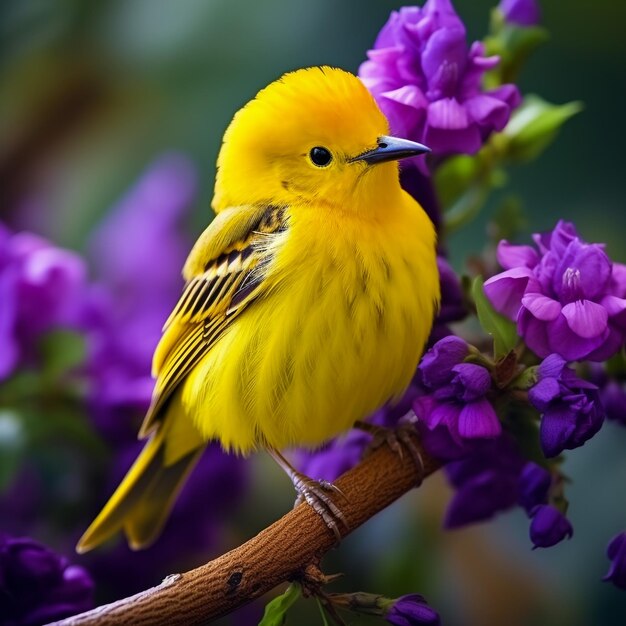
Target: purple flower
[567,296]
[455,393]
[428,83]
[612,393]
[38,586]
[548,526]
[486,482]
[616,552]
[41,289]
[533,486]
[335,458]
[410,610]
[613,396]
[520,12]
[570,407]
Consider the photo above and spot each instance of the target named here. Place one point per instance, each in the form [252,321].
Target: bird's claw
[317,494]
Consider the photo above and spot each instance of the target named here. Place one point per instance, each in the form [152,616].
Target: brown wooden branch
[279,553]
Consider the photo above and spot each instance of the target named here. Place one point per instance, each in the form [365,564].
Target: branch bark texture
[279,553]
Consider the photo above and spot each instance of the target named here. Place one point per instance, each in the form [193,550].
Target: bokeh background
[92,94]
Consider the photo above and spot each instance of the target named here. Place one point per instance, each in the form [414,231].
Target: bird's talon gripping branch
[398,439]
[316,493]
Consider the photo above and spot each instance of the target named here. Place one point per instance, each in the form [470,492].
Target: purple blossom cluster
[458,423]
[571,411]
[38,586]
[566,295]
[428,83]
[456,393]
[41,288]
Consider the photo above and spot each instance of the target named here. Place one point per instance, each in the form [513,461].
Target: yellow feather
[308,301]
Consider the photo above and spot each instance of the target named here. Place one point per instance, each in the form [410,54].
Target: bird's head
[314,135]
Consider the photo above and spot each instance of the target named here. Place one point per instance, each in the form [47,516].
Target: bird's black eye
[320,156]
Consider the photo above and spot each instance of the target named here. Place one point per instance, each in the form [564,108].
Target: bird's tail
[142,502]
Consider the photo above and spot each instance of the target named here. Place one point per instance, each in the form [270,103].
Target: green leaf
[276,610]
[526,380]
[499,327]
[534,126]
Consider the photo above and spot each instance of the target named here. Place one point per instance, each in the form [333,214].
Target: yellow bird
[308,299]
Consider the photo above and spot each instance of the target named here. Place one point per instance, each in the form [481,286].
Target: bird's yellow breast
[338,333]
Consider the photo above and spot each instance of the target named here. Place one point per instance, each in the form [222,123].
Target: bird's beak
[391,149]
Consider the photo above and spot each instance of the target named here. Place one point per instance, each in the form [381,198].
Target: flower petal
[508,93]
[549,526]
[542,307]
[561,339]
[443,61]
[557,426]
[480,498]
[471,380]
[401,107]
[618,280]
[444,413]
[616,551]
[446,140]
[10,351]
[609,347]
[447,113]
[552,367]
[613,305]
[591,265]
[544,392]
[533,486]
[586,318]
[505,290]
[488,111]
[534,332]
[510,256]
[478,420]
[437,363]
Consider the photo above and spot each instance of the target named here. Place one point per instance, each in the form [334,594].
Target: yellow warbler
[308,299]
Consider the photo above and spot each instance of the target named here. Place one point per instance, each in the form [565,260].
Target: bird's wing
[224,273]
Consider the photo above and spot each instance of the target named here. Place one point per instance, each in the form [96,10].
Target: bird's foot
[318,495]
[400,439]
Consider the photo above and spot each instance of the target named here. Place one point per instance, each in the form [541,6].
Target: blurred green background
[91,92]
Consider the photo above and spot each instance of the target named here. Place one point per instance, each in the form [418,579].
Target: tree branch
[279,553]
